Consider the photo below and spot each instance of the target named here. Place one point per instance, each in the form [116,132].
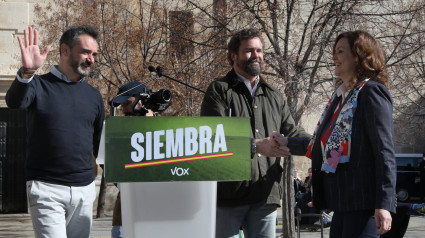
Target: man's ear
[233,56]
[65,50]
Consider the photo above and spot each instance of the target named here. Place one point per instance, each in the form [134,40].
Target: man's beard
[249,68]
[83,72]
[77,66]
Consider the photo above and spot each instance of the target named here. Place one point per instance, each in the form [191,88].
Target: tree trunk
[101,199]
[288,199]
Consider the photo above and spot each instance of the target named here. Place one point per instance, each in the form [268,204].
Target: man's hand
[30,51]
[383,221]
[279,139]
[269,147]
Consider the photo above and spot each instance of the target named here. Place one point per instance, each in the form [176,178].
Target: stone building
[15,16]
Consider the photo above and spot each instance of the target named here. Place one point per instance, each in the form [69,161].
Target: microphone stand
[158,71]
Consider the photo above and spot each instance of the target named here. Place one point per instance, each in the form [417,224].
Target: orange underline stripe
[178,160]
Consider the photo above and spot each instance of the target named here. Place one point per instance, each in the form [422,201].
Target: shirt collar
[247,83]
[55,71]
[340,92]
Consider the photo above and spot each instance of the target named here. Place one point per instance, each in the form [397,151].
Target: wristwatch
[253,146]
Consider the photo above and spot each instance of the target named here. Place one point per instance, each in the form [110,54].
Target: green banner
[158,149]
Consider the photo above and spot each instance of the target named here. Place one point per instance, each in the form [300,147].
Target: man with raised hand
[65,119]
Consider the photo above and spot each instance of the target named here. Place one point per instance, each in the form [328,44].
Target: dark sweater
[64,126]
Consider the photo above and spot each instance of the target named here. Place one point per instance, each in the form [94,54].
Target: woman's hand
[383,221]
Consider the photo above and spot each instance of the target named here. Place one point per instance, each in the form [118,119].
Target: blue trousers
[257,221]
[116,232]
[355,224]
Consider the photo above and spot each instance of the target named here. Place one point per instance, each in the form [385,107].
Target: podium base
[169,209]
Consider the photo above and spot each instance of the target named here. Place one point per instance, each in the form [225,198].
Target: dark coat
[268,112]
[368,180]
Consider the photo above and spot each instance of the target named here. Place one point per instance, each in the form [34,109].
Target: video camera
[157,101]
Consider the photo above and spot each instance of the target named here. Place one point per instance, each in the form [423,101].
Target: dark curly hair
[235,41]
[370,57]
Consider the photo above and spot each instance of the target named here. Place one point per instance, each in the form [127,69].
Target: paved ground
[416,229]
[20,225]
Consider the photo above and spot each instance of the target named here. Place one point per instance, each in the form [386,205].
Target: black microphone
[158,71]
[151,68]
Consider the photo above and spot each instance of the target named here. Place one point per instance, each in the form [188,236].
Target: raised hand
[30,51]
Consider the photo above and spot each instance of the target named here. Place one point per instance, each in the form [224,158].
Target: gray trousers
[59,211]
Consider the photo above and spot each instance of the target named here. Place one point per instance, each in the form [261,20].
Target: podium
[168,209]
[170,190]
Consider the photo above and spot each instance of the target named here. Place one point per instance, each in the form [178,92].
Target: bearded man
[251,204]
[65,119]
